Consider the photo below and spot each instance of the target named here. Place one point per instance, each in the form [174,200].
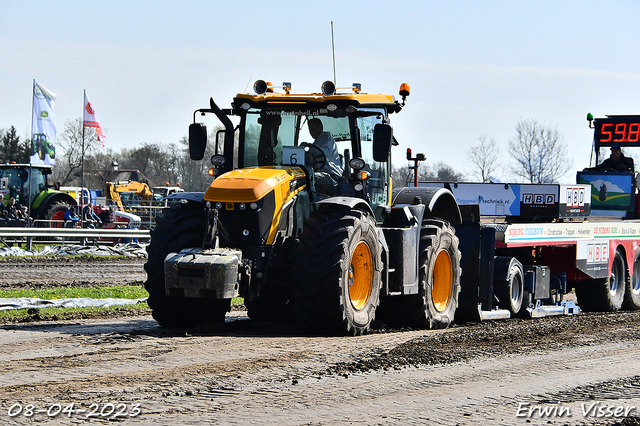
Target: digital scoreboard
[618,130]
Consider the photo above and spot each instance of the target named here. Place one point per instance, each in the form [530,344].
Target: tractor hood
[252,184]
[252,202]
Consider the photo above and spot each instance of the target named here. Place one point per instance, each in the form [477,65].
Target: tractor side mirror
[197,140]
[382,138]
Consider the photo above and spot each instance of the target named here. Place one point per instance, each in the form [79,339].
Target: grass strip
[115,292]
[57,313]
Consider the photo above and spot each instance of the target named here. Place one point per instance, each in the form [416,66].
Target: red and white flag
[91,120]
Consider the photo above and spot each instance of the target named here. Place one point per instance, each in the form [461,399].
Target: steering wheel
[315,155]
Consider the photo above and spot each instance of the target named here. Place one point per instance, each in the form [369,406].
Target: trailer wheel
[632,295]
[607,294]
[181,226]
[337,273]
[508,283]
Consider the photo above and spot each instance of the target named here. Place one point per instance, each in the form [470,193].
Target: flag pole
[33,100]
[82,164]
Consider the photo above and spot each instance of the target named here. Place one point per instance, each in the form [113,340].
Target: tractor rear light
[254,206]
[242,206]
[218,205]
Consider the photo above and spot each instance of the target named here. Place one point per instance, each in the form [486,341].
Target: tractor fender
[345,202]
[47,198]
[439,202]
[189,196]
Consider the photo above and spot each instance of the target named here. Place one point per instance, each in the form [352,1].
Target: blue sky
[474,67]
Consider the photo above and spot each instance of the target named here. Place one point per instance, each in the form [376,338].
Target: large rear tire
[606,294]
[437,301]
[439,282]
[54,214]
[337,273]
[180,226]
[272,305]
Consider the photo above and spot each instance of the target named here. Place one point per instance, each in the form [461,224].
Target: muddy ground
[583,369]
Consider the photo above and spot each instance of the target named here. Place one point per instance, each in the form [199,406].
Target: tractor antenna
[333,50]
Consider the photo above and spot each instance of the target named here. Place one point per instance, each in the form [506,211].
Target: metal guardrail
[20,232]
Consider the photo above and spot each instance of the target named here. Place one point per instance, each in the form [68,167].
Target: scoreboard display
[618,130]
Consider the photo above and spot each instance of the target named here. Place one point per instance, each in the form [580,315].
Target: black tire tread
[180,226]
[318,287]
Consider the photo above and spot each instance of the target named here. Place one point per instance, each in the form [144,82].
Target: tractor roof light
[356,87]
[590,119]
[328,88]
[261,87]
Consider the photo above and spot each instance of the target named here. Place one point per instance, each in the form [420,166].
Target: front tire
[180,226]
[337,273]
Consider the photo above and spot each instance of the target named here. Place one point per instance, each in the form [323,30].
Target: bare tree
[484,158]
[73,150]
[539,152]
[439,172]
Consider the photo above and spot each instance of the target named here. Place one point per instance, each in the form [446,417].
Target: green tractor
[29,185]
[42,146]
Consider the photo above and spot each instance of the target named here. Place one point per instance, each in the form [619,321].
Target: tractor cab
[341,141]
[614,188]
[16,182]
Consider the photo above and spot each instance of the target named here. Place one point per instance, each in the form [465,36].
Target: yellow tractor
[301,220]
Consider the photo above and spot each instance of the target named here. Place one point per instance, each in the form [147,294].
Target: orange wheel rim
[442,281]
[360,276]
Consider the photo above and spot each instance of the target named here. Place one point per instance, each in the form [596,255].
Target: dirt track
[505,372]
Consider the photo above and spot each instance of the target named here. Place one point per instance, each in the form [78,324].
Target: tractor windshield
[267,134]
[17,179]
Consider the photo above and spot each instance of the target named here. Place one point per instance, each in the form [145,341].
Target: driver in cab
[327,176]
[617,162]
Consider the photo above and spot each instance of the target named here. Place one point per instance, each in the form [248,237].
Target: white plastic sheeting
[129,249]
[80,302]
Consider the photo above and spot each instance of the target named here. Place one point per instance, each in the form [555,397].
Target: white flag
[43,128]
[91,120]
